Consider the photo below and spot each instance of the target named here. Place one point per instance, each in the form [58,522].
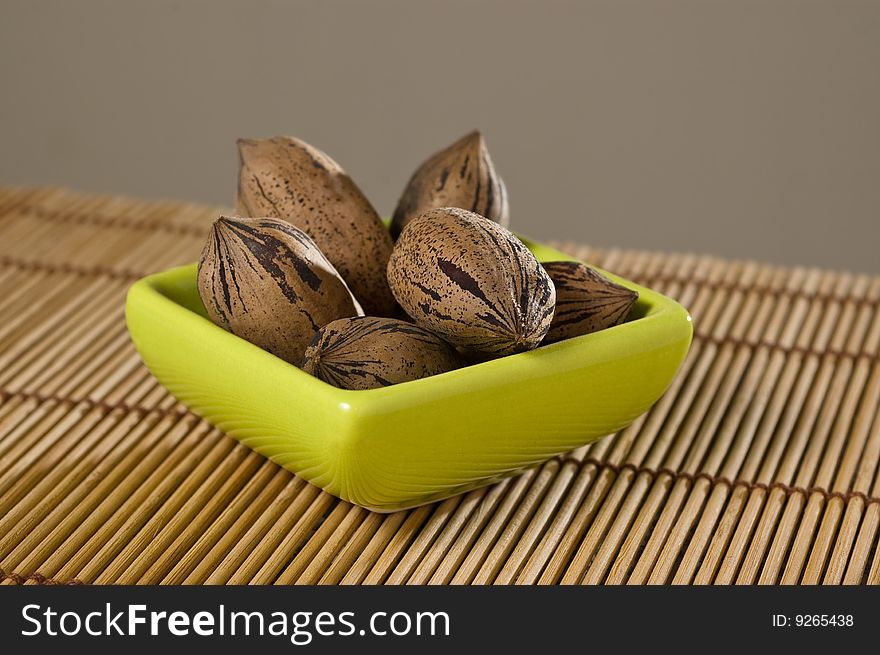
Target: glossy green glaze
[417,442]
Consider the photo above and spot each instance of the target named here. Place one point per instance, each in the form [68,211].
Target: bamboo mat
[759,465]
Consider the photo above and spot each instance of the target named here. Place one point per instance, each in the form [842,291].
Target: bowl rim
[161,291]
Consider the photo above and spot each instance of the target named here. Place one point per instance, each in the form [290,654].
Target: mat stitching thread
[70,269]
[158,225]
[6,394]
[36,577]
[793,349]
[648,280]
[615,468]
[86,219]
[720,479]
[835,353]
[764,289]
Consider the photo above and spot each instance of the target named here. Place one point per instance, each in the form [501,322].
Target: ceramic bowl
[413,443]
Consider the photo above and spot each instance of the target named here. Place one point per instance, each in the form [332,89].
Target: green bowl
[413,443]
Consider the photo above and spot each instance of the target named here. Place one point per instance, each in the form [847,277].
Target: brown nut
[266,281]
[289,179]
[472,282]
[586,301]
[461,175]
[368,352]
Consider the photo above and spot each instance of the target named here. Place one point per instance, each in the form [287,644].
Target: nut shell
[289,179]
[266,281]
[472,282]
[368,352]
[586,301]
[461,175]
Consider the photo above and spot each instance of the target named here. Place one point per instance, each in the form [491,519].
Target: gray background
[745,129]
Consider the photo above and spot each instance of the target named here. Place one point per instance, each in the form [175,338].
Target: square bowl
[417,442]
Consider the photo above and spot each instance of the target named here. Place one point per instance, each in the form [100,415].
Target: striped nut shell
[461,175]
[586,301]
[472,282]
[368,352]
[266,281]
[289,179]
